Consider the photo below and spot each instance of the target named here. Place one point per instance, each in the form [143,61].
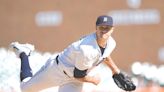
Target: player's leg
[23,51]
[26,71]
[48,76]
[71,87]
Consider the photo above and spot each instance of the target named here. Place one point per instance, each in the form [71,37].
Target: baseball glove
[123,82]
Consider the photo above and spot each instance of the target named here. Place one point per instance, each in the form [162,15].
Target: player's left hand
[124,82]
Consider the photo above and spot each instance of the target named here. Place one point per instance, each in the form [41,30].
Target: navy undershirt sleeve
[80,73]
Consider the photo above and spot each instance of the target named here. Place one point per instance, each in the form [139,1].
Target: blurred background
[51,25]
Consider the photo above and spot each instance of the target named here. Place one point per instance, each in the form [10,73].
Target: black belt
[57,62]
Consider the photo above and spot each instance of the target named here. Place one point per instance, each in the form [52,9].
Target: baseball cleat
[19,48]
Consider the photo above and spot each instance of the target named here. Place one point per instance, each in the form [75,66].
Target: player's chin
[105,36]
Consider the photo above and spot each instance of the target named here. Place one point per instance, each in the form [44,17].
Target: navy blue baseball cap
[104,20]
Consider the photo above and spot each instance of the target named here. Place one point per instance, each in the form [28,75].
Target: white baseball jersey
[85,53]
[82,54]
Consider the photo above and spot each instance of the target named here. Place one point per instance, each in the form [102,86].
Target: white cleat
[19,48]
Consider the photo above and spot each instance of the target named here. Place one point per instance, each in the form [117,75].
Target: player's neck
[102,43]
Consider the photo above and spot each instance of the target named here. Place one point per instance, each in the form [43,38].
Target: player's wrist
[115,71]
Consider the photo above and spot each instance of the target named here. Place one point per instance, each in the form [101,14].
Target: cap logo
[105,19]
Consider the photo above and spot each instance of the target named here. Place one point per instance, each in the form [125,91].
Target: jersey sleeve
[85,57]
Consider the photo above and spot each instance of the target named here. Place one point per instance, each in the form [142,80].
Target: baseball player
[69,69]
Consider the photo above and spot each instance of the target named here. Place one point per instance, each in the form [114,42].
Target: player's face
[104,31]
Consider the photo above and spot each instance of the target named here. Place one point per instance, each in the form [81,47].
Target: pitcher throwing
[69,69]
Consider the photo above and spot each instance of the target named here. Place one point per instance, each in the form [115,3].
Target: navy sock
[25,67]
